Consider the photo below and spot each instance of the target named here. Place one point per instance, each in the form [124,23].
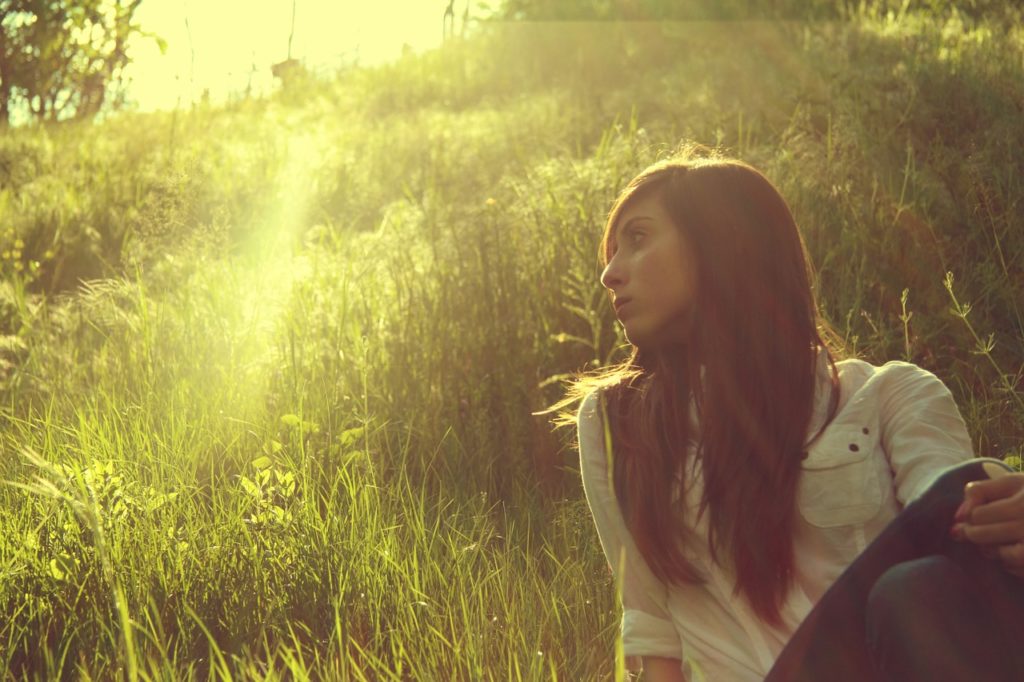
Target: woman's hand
[992,516]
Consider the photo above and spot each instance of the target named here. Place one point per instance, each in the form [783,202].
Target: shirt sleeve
[922,430]
[647,628]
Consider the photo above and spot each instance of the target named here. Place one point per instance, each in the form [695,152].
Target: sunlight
[269,280]
[226,47]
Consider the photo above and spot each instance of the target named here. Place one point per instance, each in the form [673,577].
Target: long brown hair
[750,368]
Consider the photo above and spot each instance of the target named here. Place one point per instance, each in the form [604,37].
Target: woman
[736,472]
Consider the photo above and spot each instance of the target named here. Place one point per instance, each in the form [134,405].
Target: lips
[620,303]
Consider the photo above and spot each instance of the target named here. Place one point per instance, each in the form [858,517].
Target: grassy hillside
[267,371]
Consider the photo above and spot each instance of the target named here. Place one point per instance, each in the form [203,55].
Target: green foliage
[667,10]
[268,371]
[744,10]
[59,59]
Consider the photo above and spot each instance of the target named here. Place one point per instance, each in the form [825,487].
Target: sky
[231,44]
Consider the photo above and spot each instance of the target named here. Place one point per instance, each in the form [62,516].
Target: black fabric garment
[916,605]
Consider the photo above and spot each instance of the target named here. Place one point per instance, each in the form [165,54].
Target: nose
[612,276]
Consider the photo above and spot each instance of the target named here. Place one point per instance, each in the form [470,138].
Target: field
[268,370]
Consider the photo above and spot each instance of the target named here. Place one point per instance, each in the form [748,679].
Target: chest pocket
[839,484]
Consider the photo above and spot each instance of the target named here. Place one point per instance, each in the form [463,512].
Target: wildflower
[7,255]
[17,254]
[491,201]
[18,244]
[49,254]
[18,267]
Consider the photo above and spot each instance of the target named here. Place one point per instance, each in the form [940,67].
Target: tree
[62,59]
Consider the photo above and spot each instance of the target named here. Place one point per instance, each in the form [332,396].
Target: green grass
[283,429]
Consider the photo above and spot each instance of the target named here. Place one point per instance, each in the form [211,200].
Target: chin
[649,340]
[638,338]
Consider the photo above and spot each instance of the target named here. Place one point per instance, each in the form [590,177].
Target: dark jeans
[916,605]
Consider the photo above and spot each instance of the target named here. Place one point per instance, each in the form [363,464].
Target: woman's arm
[647,627]
[657,669]
[923,429]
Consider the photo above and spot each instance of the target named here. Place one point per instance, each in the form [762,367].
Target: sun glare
[228,47]
[275,269]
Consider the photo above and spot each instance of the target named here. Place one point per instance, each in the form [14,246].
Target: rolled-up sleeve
[647,628]
[922,430]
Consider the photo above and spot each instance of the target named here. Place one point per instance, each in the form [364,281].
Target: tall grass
[268,370]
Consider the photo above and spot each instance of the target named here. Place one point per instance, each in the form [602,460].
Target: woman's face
[652,275]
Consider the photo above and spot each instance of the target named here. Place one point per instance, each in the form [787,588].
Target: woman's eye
[635,236]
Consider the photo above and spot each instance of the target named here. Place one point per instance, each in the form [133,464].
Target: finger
[961,512]
[1006,509]
[1012,557]
[1007,532]
[980,492]
[977,493]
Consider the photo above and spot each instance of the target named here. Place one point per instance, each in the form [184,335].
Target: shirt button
[865,431]
[853,447]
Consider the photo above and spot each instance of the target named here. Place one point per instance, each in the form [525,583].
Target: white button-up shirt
[895,429]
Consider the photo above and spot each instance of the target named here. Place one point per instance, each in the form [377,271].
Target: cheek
[674,278]
[652,264]
[664,268]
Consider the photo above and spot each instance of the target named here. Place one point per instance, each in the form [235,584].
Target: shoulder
[889,387]
[591,433]
[857,374]
[589,410]
[590,420]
